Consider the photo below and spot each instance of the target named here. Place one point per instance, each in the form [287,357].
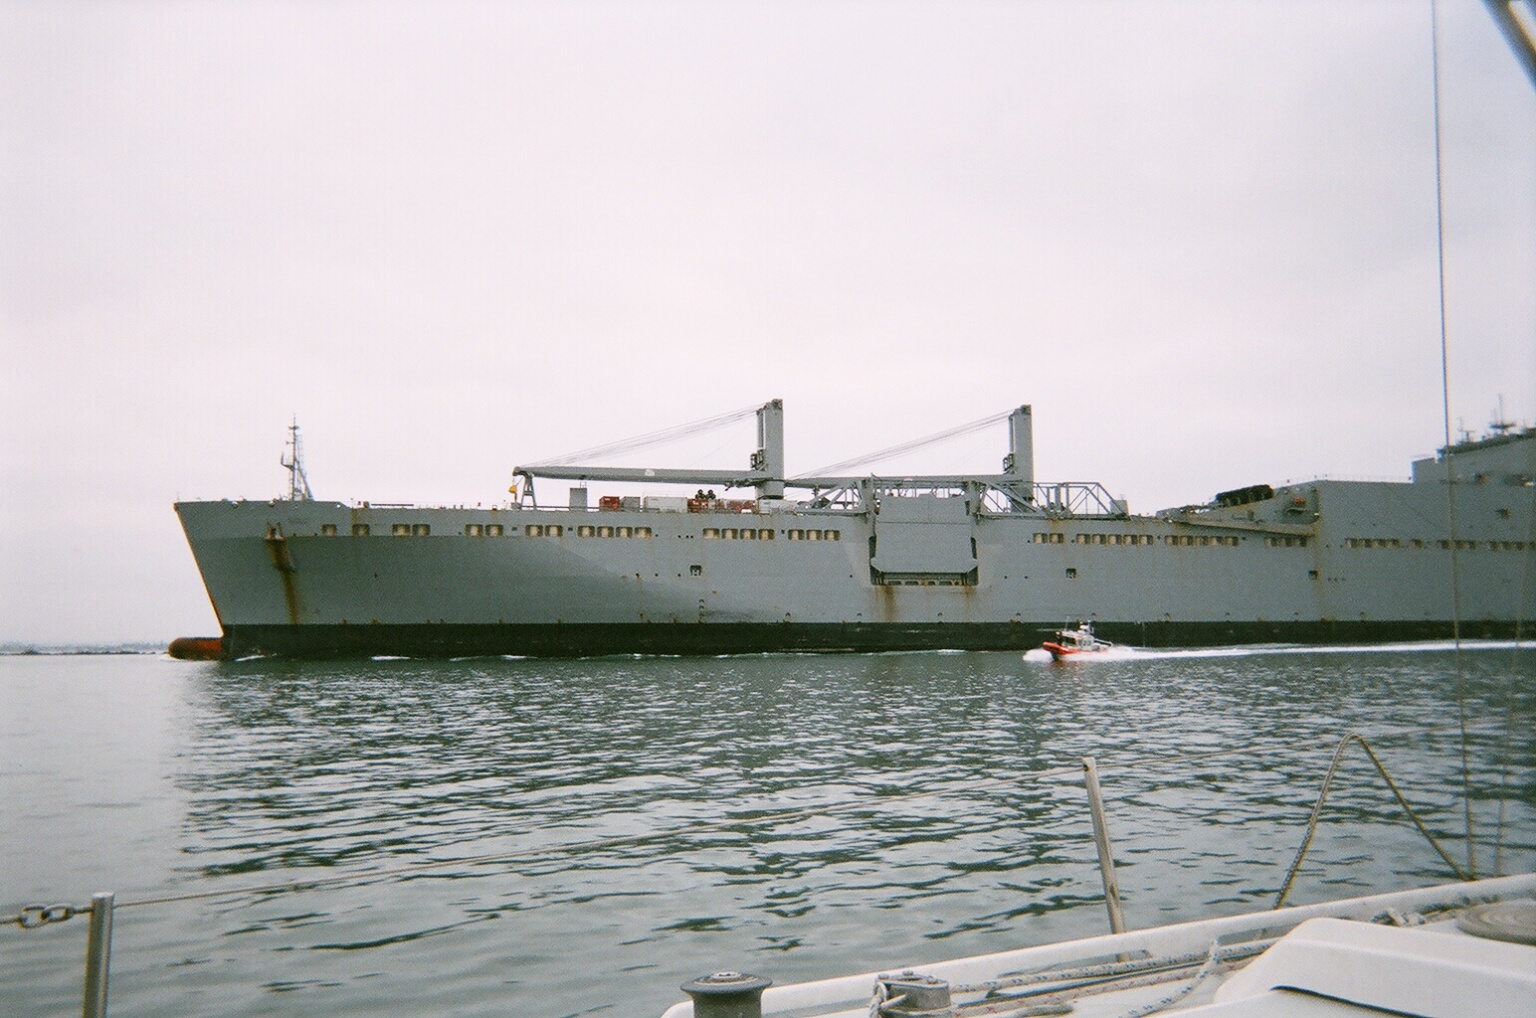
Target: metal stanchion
[1101,839]
[98,954]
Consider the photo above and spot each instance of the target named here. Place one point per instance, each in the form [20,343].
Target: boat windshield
[1081,638]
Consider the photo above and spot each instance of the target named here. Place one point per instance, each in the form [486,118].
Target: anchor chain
[32,916]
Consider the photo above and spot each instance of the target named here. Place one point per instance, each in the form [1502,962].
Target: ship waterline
[870,563]
[449,640]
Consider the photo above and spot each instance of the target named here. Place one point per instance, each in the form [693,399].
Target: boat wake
[1119,653]
[1114,652]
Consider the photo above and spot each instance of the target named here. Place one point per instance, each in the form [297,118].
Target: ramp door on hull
[923,540]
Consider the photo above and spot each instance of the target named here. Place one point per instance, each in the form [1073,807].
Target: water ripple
[600,831]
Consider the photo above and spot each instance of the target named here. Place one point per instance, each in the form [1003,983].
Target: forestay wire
[1450,472]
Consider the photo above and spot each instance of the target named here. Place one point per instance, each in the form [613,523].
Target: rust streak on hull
[277,550]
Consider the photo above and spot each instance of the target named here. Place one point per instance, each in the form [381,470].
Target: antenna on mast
[293,459]
[1500,425]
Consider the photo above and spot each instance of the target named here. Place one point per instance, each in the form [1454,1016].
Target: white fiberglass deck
[1335,958]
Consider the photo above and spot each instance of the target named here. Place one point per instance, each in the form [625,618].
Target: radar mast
[293,460]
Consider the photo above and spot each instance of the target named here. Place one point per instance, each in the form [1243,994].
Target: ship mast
[293,459]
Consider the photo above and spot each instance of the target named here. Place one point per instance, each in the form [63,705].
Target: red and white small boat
[1076,643]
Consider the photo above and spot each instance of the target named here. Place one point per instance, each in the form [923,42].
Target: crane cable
[916,443]
[653,438]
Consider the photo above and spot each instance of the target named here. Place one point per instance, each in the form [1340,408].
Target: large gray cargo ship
[859,563]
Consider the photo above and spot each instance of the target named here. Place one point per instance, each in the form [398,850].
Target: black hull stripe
[594,640]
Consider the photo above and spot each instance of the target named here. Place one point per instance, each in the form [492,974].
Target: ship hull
[1317,562]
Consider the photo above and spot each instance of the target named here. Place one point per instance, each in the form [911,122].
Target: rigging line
[1038,982]
[652,438]
[1507,750]
[916,443]
[1450,472]
[1322,797]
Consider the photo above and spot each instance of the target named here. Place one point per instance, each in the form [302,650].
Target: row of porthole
[408,530]
[709,534]
[1140,540]
[749,534]
[1443,545]
[558,530]
[553,530]
[490,530]
[399,529]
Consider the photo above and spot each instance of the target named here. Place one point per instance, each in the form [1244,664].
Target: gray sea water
[550,838]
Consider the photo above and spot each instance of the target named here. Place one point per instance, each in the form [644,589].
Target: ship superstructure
[837,562]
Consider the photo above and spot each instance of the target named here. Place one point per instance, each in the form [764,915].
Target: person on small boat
[1081,640]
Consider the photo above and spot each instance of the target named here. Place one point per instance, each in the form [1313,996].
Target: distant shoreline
[66,649]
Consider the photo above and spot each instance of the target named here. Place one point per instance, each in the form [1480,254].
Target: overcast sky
[1198,237]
